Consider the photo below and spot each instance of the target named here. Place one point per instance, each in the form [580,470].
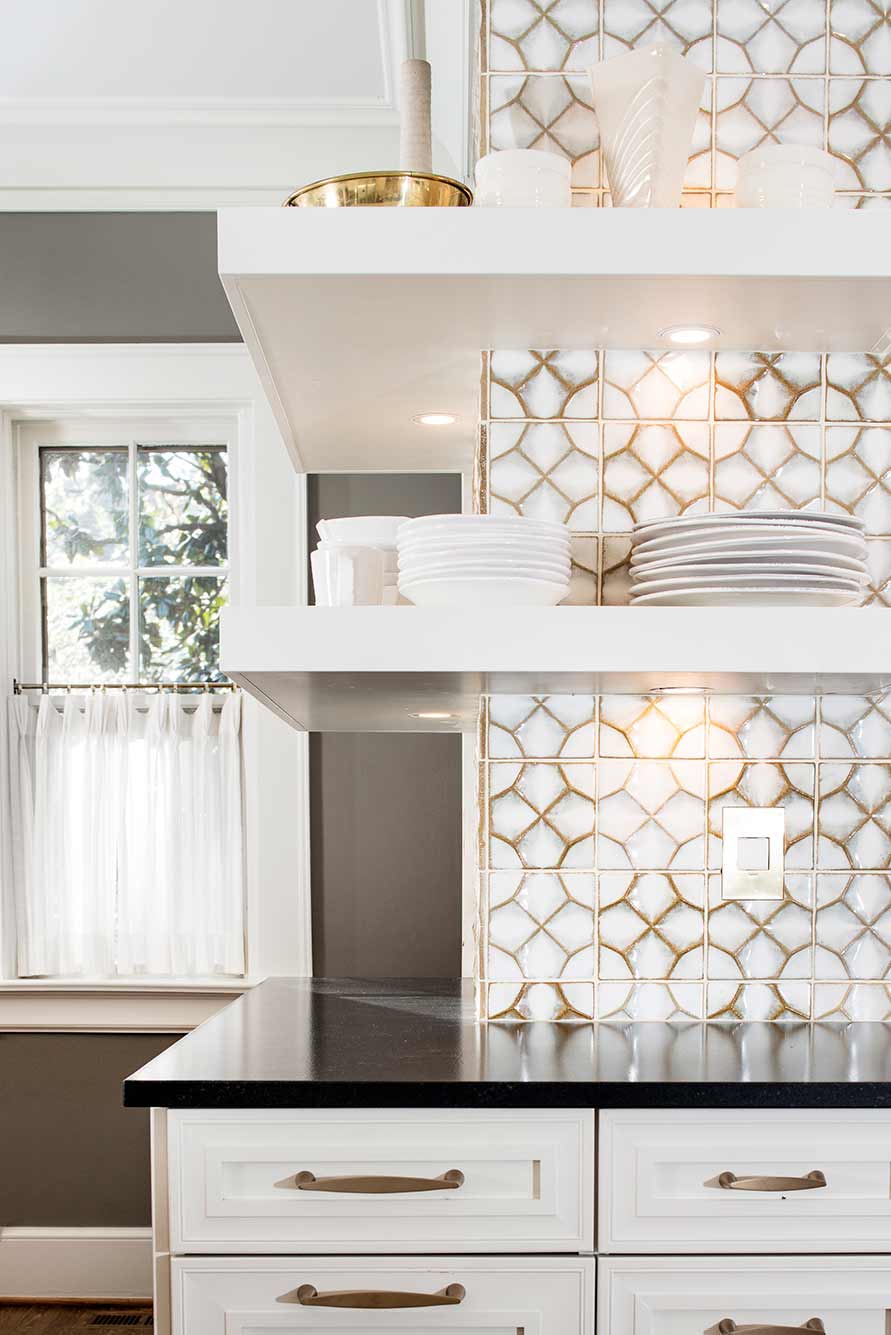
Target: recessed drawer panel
[473,1295]
[381,1181]
[849,1295]
[804,1181]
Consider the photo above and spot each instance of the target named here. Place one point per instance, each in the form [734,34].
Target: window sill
[52,1005]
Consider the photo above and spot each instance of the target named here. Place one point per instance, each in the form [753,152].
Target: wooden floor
[74,1319]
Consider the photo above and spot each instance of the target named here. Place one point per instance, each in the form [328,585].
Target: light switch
[752,865]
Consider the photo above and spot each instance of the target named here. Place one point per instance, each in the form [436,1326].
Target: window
[128,804]
[133,560]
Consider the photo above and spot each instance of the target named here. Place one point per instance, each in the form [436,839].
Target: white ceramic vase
[646,104]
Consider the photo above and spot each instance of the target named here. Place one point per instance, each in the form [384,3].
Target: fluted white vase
[646,104]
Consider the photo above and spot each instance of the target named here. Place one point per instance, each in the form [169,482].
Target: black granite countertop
[342,1043]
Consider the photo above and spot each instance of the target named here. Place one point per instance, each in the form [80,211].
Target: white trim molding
[206,153]
[268,561]
[101,1263]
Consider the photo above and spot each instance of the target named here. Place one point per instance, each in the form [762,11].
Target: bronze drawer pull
[381,1185]
[729,1327]
[374,1300]
[731,1182]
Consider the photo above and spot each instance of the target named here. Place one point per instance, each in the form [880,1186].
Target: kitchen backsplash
[600,818]
[788,71]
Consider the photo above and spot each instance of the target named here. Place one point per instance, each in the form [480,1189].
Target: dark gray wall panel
[70,1154]
[386,809]
[111,277]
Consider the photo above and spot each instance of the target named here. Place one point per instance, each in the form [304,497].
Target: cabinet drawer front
[674,1296]
[660,1181]
[381,1181]
[498,1295]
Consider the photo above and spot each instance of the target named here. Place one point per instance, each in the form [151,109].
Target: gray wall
[70,1154]
[386,808]
[111,277]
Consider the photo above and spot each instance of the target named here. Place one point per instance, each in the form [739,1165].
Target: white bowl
[510,551]
[360,531]
[785,176]
[494,592]
[523,178]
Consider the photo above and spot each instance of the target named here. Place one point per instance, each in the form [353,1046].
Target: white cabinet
[375,1181]
[661,1174]
[484,1296]
[693,1295]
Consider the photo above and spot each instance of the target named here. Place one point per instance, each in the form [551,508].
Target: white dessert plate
[760,572]
[484,592]
[753,596]
[746,517]
[512,545]
[852,543]
[477,562]
[791,582]
[484,523]
[706,554]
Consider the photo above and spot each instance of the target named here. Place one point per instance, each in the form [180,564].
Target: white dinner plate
[484,592]
[707,554]
[681,523]
[760,572]
[851,543]
[492,544]
[791,583]
[486,569]
[752,596]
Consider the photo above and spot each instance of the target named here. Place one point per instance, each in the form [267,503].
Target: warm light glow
[435,419]
[433,714]
[688,334]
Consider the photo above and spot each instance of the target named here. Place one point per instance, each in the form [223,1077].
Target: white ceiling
[122,104]
[297,50]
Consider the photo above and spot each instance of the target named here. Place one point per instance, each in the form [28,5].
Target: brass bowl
[383,189]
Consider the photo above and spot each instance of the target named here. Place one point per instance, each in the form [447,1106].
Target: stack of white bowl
[751,558]
[355,562]
[483,561]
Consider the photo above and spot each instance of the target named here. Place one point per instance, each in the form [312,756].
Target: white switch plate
[761,823]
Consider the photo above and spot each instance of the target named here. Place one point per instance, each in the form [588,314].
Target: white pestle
[415,149]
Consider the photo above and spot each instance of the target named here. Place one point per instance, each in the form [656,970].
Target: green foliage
[181,521]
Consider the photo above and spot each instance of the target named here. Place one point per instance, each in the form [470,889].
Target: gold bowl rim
[463,189]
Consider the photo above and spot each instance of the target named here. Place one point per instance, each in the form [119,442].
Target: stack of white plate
[749,558]
[483,561]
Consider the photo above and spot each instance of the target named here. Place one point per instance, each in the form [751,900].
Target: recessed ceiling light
[433,714]
[435,419]
[688,334]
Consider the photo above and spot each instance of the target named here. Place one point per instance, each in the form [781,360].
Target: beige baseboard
[75,1263]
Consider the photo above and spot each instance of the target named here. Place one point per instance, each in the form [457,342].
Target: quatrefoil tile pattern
[601,855]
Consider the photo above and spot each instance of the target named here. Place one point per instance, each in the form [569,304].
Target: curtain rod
[19,686]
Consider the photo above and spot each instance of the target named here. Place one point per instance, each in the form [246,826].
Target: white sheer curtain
[128,842]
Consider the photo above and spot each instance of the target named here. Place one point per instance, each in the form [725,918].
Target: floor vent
[122,1319]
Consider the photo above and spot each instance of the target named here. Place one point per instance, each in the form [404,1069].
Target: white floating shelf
[359,319]
[373,669]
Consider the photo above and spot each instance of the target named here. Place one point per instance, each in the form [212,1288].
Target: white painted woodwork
[504,1295]
[47,1262]
[373,669]
[690,1295]
[359,319]
[657,1188]
[529,1181]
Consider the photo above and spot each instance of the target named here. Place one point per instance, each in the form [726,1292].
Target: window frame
[88,387]
[124,433]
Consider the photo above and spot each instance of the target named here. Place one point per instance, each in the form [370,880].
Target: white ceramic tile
[543,384]
[860,37]
[843,1002]
[542,727]
[541,925]
[653,471]
[771,36]
[765,939]
[650,925]
[652,727]
[541,815]
[762,727]
[767,386]
[685,25]
[767,467]
[649,1001]
[858,474]
[749,112]
[765,784]
[550,112]
[540,1001]
[860,132]
[854,818]
[546,470]
[856,725]
[653,385]
[651,814]
[759,1001]
[553,36]
[853,926]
